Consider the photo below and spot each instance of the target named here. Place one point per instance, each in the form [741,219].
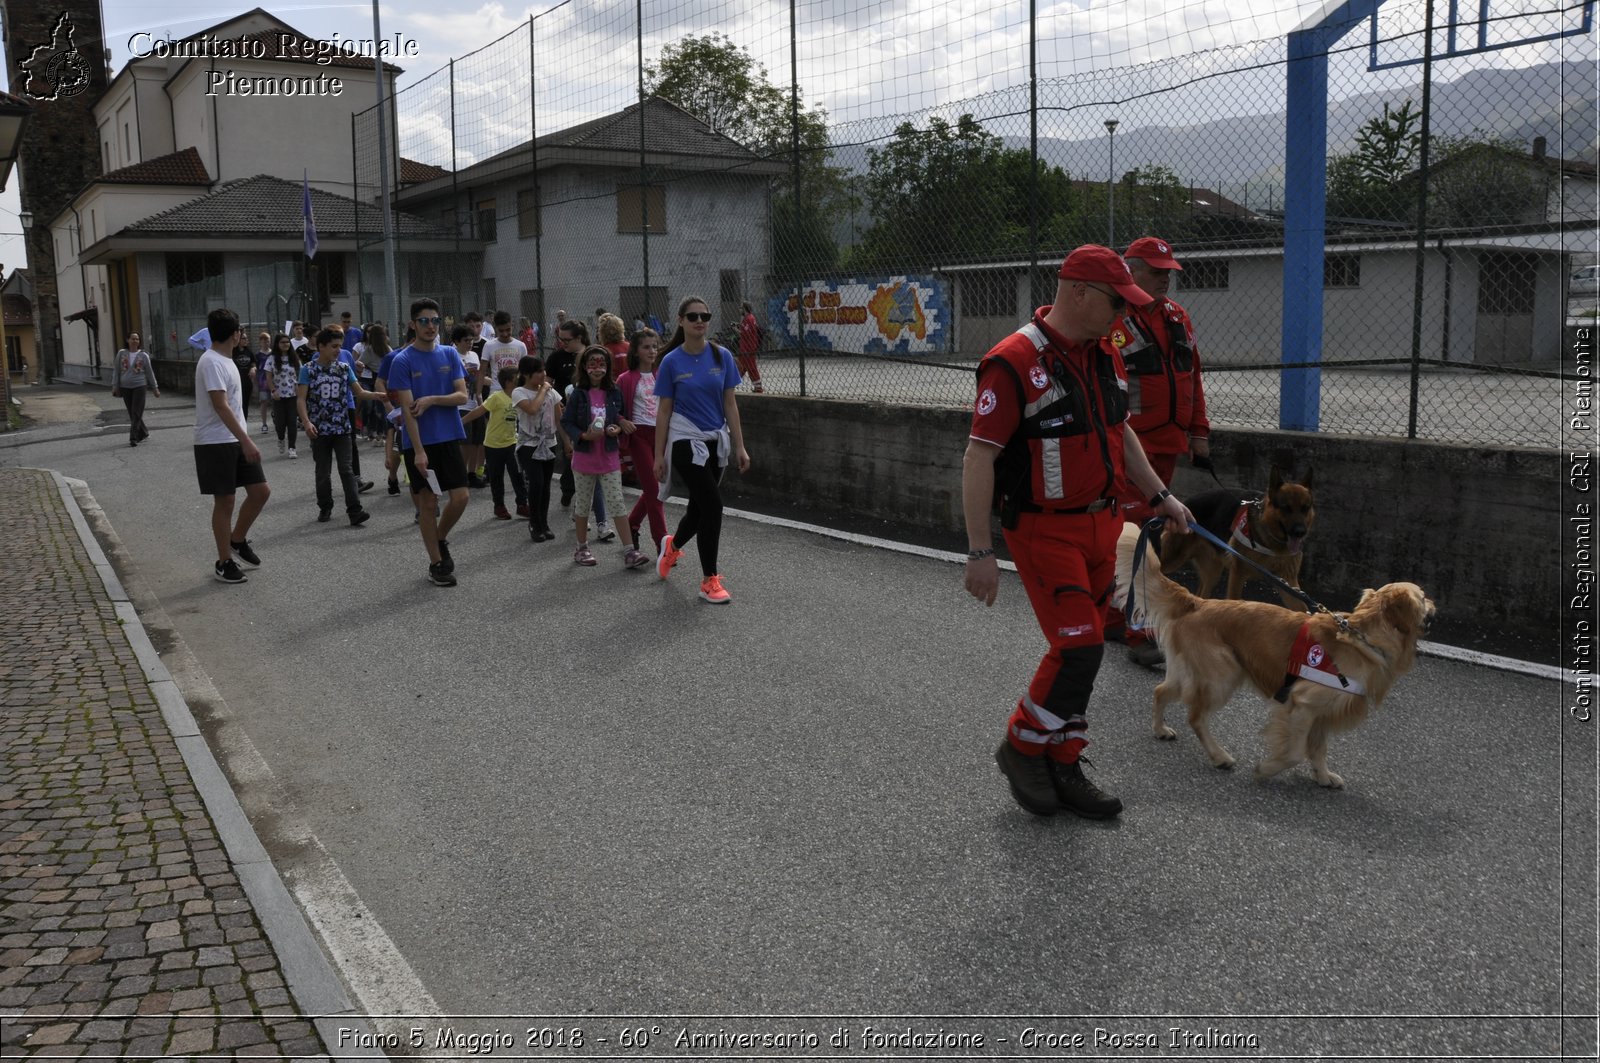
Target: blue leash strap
[1311,604]
[1147,529]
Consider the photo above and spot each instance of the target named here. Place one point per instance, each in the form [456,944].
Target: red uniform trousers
[748,368]
[1067,562]
[1136,509]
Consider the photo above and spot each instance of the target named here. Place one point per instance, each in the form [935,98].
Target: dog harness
[1308,660]
[1241,527]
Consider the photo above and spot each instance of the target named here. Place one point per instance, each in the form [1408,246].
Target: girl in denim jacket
[593,421]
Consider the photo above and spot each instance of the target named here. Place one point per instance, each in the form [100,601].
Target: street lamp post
[1111,182]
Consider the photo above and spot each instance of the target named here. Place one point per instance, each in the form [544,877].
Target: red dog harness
[1308,660]
[1241,529]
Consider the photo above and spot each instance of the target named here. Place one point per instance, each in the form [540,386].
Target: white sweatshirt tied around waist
[683,428]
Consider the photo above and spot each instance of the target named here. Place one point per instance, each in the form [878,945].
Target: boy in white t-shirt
[225,458]
[502,350]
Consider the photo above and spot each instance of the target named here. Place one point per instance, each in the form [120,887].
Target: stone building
[55,59]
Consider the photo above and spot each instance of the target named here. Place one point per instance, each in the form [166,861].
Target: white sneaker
[292,454]
[604,532]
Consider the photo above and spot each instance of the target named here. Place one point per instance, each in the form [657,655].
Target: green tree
[723,85]
[1477,181]
[1153,201]
[1367,183]
[954,192]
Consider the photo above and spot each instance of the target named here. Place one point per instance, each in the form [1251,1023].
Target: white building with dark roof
[191,209]
[565,221]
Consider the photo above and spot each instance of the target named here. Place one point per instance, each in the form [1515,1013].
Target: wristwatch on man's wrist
[1159,497]
[979,555]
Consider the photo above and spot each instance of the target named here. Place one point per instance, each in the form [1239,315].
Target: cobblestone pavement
[124,931]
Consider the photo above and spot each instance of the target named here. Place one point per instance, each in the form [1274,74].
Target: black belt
[1093,507]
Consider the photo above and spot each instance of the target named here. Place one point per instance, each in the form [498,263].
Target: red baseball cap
[1091,262]
[1156,252]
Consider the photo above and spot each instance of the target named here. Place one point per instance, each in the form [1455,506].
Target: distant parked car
[1585,281]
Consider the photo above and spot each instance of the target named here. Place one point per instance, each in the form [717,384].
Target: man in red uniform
[1166,401]
[749,344]
[1050,440]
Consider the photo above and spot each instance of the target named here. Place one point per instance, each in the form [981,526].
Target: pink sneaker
[711,590]
[668,557]
[635,558]
[584,556]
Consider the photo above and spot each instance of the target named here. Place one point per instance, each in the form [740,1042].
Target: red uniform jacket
[1056,407]
[1166,402]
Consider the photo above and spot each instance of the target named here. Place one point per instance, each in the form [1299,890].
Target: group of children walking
[679,414]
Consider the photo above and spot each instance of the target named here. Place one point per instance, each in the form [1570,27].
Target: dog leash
[1207,465]
[1155,524]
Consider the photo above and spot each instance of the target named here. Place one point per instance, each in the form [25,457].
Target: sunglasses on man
[1117,301]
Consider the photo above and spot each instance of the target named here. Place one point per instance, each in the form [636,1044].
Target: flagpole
[311,241]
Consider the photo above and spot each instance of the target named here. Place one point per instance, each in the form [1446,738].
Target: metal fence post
[455,196]
[644,172]
[794,204]
[533,144]
[1033,154]
[1422,224]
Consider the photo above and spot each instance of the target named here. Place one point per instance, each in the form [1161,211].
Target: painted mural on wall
[906,315]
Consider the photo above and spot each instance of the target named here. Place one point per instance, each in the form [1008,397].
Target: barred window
[1204,275]
[1506,282]
[1341,271]
[194,267]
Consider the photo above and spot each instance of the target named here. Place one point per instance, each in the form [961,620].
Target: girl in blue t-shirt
[697,434]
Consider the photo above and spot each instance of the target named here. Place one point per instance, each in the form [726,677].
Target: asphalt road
[563,791]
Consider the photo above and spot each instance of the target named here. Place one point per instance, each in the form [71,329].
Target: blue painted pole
[1304,235]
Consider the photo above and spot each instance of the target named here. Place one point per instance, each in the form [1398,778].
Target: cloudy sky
[863,60]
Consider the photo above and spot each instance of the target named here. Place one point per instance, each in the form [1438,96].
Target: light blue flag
[311,225]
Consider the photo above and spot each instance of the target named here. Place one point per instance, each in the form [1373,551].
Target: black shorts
[477,432]
[444,461]
[222,470]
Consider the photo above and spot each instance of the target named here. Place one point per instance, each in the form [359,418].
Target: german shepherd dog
[1324,678]
[1269,529]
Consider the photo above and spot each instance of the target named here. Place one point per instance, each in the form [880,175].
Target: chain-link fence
[892,192]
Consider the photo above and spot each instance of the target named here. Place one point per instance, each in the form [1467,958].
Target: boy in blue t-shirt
[427,382]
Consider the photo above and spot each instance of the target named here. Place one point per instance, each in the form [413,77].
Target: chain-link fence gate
[619,158]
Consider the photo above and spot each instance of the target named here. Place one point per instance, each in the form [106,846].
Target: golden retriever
[1214,647]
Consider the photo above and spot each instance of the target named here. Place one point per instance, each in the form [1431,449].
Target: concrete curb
[311,978]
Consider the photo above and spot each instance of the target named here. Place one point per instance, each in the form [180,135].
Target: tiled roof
[413,172]
[270,208]
[668,128]
[180,168]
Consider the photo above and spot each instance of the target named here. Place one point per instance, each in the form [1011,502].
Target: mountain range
[1243,157]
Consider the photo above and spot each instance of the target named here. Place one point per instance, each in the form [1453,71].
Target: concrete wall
[1476,528]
